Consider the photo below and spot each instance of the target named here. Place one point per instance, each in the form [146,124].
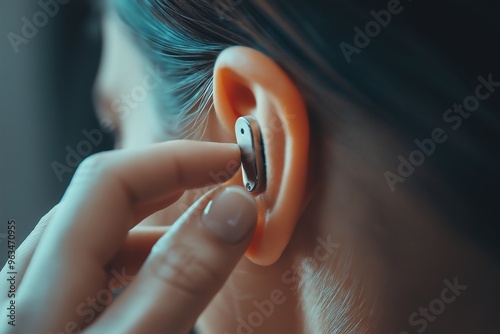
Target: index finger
[96,213]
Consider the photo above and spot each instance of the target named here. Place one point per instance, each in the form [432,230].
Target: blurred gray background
[45,104]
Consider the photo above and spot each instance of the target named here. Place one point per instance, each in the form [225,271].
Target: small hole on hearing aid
[249,187]
[242,131]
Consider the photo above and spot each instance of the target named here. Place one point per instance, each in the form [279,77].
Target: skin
[111,193]
[391,256]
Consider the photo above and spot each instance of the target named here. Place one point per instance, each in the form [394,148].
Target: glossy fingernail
[231,214]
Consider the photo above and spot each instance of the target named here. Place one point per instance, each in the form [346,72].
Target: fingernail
[231,214]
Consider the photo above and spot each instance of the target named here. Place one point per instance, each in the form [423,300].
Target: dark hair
[410,72]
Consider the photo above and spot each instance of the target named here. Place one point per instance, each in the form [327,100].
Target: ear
[246,82]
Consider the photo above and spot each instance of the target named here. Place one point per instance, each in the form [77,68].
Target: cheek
[213,131]
[125,86]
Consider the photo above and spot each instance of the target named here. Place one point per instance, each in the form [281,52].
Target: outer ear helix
[245,84]
[249,139]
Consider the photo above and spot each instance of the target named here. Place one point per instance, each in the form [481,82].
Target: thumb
[187,266]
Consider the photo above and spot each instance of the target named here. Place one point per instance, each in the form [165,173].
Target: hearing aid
[249,139]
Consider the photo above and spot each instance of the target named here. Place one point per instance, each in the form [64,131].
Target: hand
[83,240]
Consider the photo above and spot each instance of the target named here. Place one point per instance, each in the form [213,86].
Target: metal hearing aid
[249,140]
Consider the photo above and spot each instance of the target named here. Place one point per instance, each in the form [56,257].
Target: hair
[425,60]
[428,58]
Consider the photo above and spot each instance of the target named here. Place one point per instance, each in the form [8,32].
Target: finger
[186,267]
[25,252]
[143,210]
[136,249]
[96,212]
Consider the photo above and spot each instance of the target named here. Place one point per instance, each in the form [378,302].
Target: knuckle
[182,268]
[96,161]
[96,165]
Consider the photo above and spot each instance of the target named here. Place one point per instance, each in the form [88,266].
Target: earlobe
[246,82]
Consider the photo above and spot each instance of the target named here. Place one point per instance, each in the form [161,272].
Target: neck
[400,266]
[255,299]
